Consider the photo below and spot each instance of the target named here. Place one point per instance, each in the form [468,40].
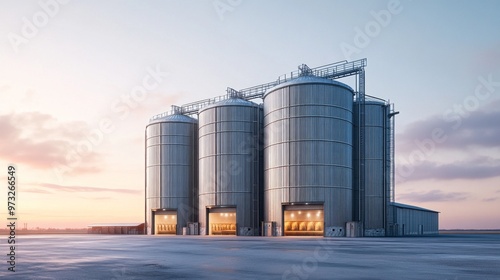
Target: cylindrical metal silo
[171,174]
[371,202]
[308,156]
[230,173]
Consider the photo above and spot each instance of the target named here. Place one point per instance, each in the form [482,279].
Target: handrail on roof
[334,70]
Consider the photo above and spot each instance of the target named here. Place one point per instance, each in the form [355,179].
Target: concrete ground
[201,257]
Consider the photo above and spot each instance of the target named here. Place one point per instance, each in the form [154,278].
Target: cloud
[479,128]
[473,131]
[491,199]
[433,196]
[474,168]
[35,190]
[48,188]
[41,141]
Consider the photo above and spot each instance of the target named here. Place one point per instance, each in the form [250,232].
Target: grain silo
[308,156]
[325,168]
[171,173]
[230,173]
[371,201]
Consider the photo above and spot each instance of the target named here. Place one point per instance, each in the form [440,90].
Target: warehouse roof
[116,225]
[401,205]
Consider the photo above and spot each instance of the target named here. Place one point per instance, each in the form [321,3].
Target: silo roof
[231,102]
[174,118]
[372,102]
[308,80]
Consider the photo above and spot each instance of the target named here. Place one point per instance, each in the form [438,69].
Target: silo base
[334,231]
[268,228]
[203,231]
[246,231]
[375,232]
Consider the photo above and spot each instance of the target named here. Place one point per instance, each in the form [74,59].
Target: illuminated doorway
[165,222]
[222,221]
[303,220]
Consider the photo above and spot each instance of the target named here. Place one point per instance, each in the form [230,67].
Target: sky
[79,81]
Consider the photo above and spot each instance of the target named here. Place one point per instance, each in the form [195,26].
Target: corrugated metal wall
[308,148]
[409,222]
[310,155]
[230,169]
[377,172]
[171,168]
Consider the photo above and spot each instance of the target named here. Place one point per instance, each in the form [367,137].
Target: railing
[372,98]
[330,71]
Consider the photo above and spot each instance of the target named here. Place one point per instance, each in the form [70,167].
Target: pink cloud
[474,168]
[478,129]
[50,188]
[434,195]
[41,141]
[35,190]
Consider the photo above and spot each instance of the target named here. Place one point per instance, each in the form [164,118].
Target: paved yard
[201,257]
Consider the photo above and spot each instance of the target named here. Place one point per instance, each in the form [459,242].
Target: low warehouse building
[410,220]
[124,228]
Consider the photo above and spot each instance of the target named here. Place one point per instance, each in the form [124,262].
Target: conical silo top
[308,80]
[174,118]
[233,101]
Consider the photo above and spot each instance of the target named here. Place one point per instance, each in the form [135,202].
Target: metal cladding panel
[415,222]
[376,169]
[308,148]
[171,167]
[230,160]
